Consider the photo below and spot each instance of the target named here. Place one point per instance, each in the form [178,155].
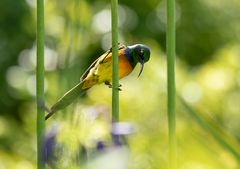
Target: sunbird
[100,71]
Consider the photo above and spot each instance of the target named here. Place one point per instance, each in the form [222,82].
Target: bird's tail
[67,99]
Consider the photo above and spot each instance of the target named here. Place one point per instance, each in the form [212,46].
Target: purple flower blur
[49,144]
[119,131]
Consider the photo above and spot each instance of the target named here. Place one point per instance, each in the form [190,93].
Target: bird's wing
[100,60]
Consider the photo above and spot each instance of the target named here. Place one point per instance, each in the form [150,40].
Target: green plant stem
[40,83]
[219,136]
[171,83]
[115,80]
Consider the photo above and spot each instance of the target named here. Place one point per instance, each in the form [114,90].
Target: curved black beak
[142,66]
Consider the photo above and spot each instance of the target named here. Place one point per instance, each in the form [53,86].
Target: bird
[100,71]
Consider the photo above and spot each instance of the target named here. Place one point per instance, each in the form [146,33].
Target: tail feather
[66,99]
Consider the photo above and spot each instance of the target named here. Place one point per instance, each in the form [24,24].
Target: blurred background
[82,136]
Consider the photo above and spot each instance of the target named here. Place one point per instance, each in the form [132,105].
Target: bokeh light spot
[218,79]
[16,77]
[191,92]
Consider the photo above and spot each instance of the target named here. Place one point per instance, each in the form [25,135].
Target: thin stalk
[115,80]
[171,83]
[220,136]
[40,83]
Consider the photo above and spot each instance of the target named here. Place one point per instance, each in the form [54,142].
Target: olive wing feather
[99,60]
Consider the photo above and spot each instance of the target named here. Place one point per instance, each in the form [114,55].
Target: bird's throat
[129,56]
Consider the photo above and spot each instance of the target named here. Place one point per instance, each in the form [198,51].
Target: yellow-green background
[77,32]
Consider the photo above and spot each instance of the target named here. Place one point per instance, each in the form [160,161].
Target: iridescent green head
[138,54]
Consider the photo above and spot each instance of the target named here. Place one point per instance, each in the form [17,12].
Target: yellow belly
[103,71]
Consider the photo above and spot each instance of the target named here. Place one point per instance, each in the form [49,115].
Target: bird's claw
[119,87]
[110,85]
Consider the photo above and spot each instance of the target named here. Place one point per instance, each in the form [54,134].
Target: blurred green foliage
[16,34]
[77,32]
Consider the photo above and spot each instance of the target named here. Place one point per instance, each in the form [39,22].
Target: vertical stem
[171,83]
[115,80]
[40,83]
[219,134]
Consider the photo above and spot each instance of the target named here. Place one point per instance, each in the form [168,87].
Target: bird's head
[140,54]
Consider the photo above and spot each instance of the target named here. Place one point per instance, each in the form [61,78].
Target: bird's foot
[110,85]
[119,87]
